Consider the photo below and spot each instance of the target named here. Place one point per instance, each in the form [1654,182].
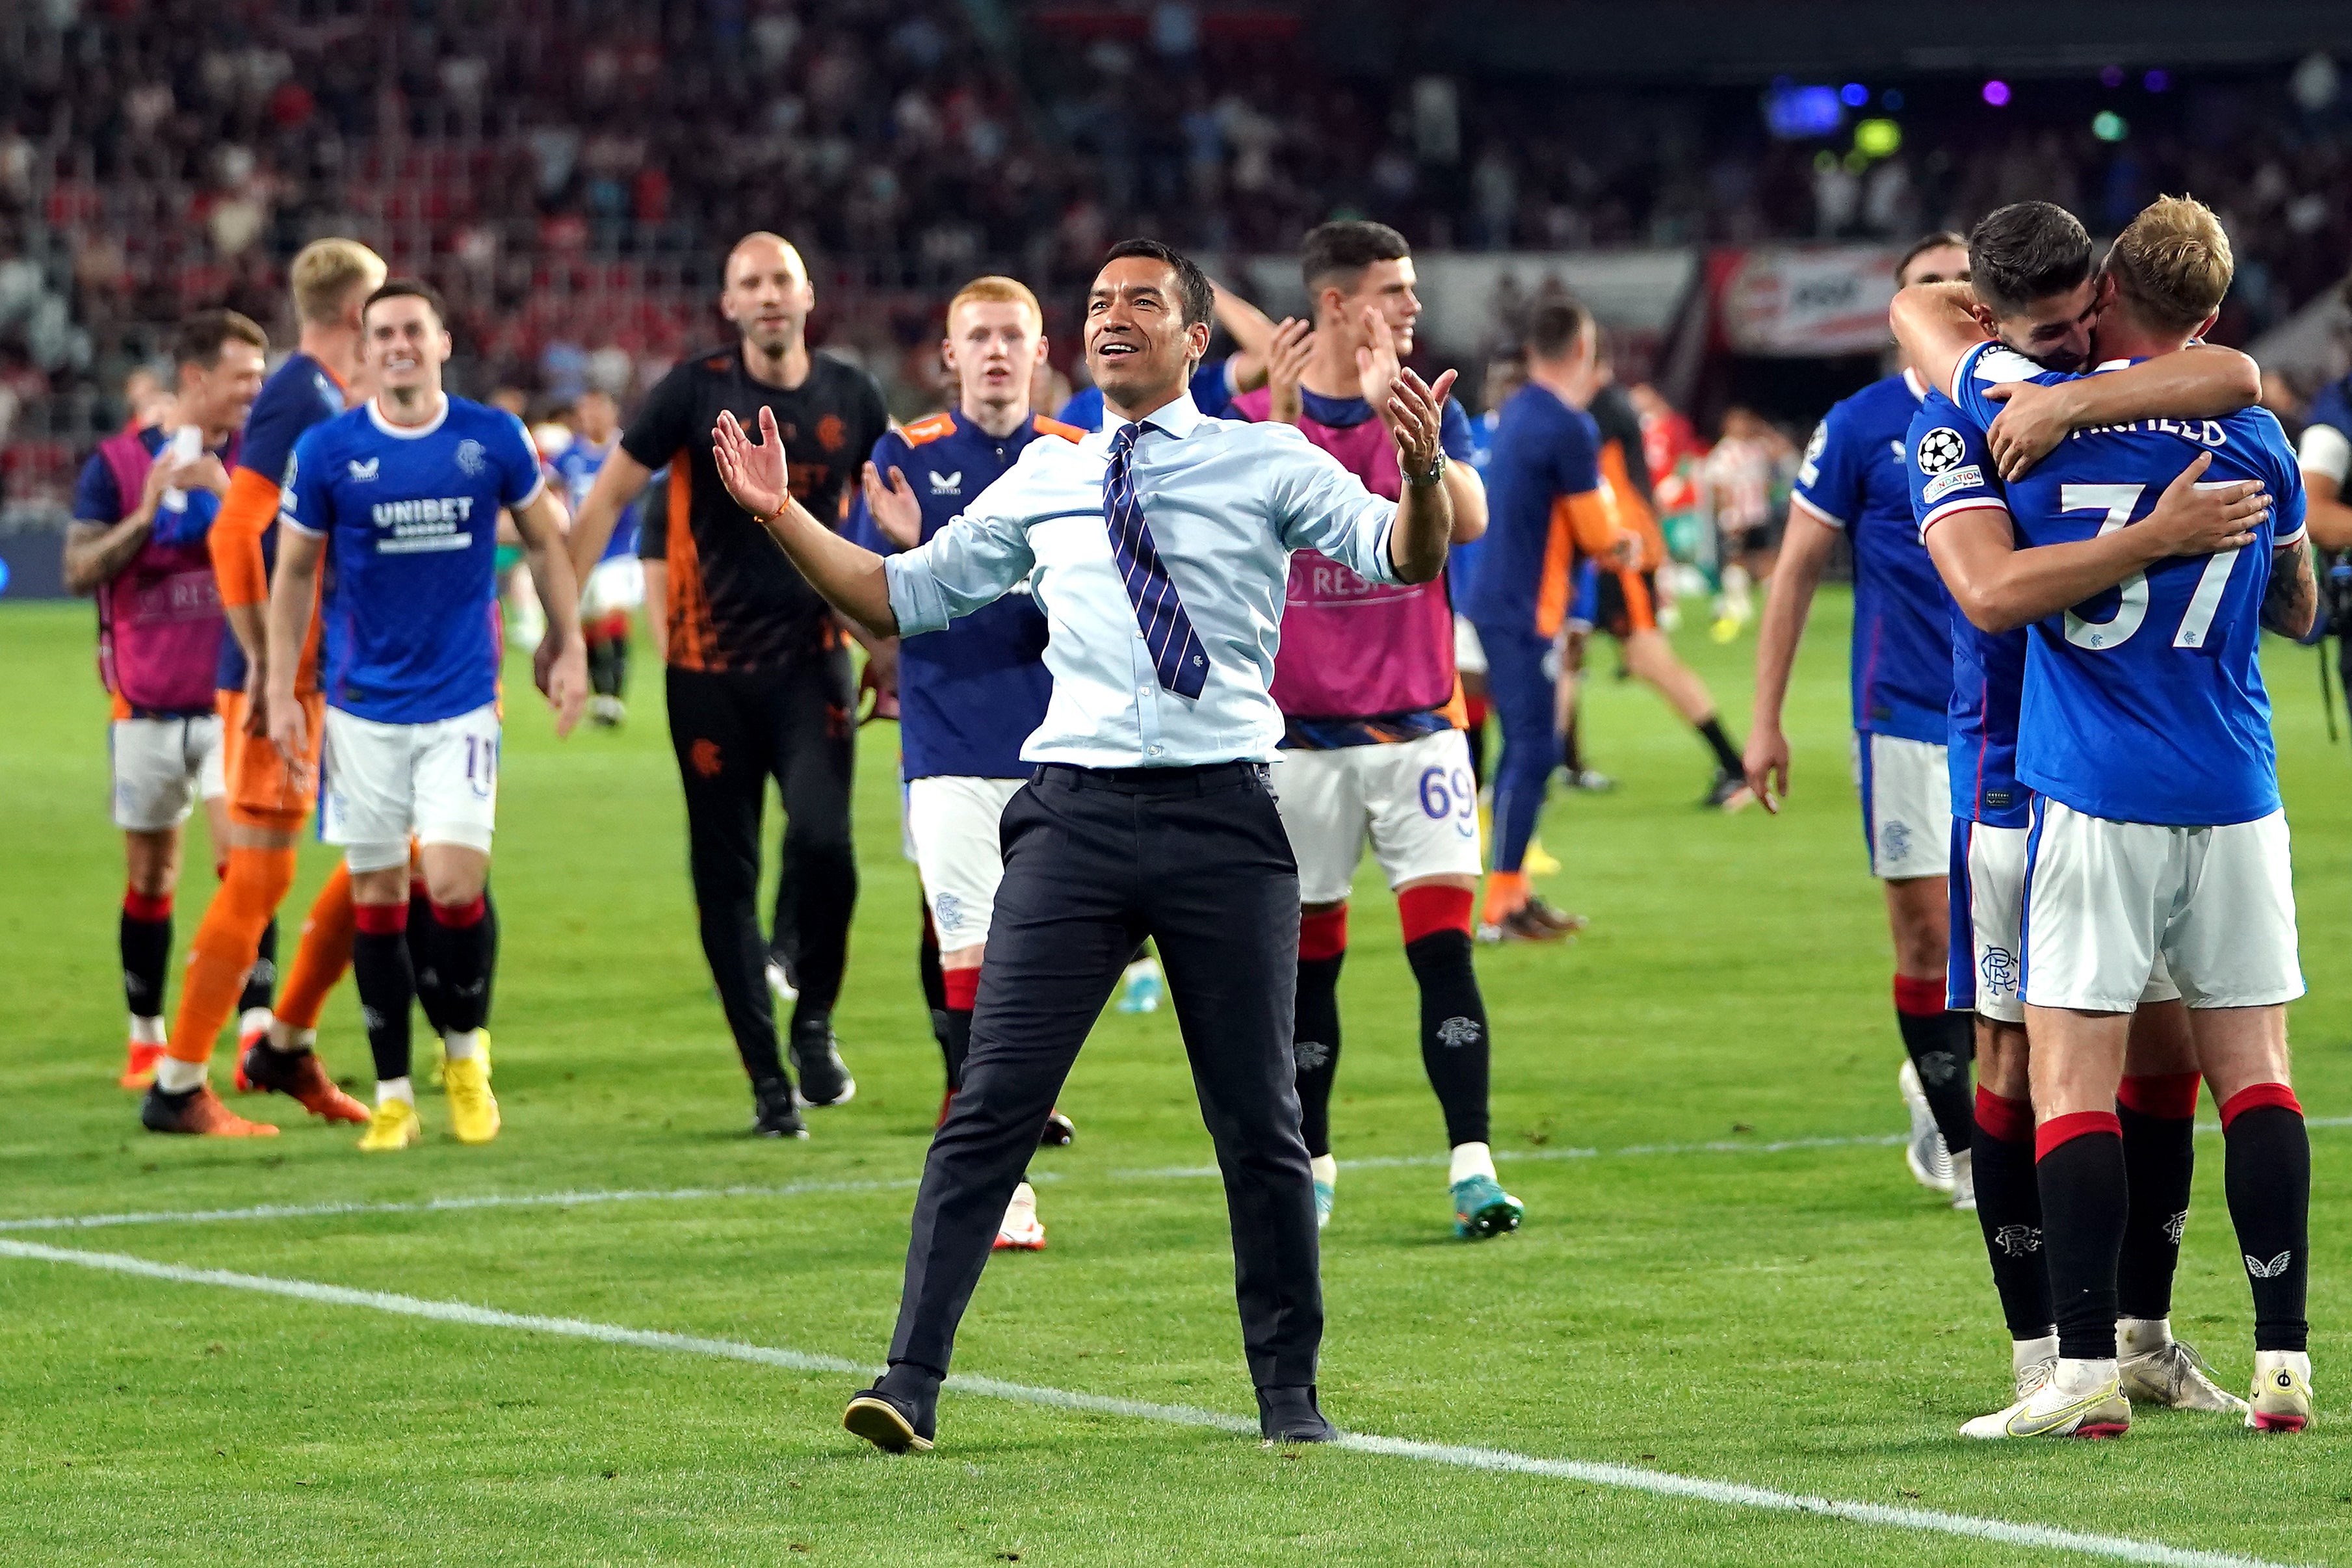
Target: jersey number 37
[2117,501]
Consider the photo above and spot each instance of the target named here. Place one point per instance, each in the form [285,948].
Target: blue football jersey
[1854,478]
[298,393]
[411,520]
[970,694]
[1949,471]
[2146,703]
[574,471]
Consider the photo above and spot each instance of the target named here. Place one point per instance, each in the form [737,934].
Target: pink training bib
[1352,648]
[159,620]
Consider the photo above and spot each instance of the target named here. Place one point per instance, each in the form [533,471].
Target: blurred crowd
[565,170]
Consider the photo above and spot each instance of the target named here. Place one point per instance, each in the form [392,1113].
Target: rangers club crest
[1455,1033]
[1310,1054]
[1999,967]
[2017,1240]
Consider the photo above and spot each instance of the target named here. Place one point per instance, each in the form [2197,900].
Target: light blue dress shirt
[1226,502]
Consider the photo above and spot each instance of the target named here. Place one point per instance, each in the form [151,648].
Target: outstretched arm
[850,576]
[2205,382]
[1253,334]
[1804,555]
[2001,587]
[1424,530]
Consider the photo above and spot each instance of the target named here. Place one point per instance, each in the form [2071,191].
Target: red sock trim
[380,919]
[2170,1095]
[1426,911]
[459,917]
[962,988]
[1474,711]
[2005,1120]
[2075,1124]
[141,907]
[1323,934]
[2253,1097]
[1918,997]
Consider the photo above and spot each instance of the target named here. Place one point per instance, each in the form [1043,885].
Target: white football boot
[2282,1391]
[1021,1230]
[2079,1399]
[1924,1150]
[2154,1368]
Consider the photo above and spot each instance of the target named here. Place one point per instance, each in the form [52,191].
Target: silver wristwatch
[1436,472]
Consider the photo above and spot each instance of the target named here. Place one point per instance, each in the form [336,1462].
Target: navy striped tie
[1176,652]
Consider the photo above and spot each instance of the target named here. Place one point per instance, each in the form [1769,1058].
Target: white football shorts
[162,768]
[380,783]
[1906,806]
[2105,902]
[1415,800]
[953,823]
[617,583]
[1988,902]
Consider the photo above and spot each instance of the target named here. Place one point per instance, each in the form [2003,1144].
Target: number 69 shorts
[385,782]
[2105,901]
[1415,800]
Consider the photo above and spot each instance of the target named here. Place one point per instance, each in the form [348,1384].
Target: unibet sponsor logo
[424,525]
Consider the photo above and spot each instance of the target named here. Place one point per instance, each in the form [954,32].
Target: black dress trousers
[1095,861]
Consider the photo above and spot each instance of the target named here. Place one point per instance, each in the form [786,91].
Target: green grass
[1807,1321]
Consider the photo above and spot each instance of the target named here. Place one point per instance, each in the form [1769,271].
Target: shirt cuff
[916,600]
[1954,507]
[1819,512]
[1382,558]
[287,520]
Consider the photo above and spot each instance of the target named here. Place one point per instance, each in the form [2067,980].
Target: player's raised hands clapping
[752,471]
[2194,519]
[1376,358]
[1285,369]
[1415,415]
[895,511]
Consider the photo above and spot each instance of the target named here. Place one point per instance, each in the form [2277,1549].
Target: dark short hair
[409,288]
[202,336]
[2027,251]
[1553,328]
[1338,252]
[1196,296]
[1925,243]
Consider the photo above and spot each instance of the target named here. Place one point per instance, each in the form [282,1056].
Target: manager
[1158,548]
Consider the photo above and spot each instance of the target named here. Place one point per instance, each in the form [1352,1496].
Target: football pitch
[1732,1331]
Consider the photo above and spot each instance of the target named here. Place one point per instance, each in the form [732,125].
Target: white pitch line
[440,1205]
[795,1189]
[1626,1477]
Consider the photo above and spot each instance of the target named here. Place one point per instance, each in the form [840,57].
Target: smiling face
[994,347]
[218,397]
[406,346]
[1139,347]
[767,295]
[1387,287]
[2055,332]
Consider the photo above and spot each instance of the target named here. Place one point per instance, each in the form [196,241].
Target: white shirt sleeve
[2325,451]
[1319,505]
[970,563]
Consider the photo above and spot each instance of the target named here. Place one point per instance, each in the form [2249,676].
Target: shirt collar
[1179,419]
[1918,387]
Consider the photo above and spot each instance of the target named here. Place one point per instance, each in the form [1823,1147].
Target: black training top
[735,600]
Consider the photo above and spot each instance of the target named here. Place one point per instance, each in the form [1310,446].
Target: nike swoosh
[2061,1416]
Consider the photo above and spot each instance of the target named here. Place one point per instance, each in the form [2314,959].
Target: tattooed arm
[2292,601]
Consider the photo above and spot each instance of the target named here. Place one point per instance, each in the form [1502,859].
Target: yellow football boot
[473,1109]
[394,1126]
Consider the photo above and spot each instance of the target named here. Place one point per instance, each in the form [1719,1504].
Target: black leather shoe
[817,1058]
[896,1419]
[1289,1416]
[776,1111]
